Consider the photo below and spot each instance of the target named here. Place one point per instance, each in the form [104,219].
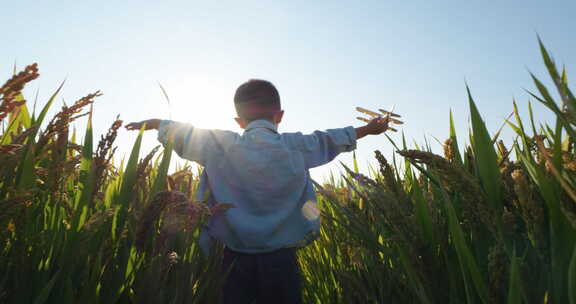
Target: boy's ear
[278,116]
[241,122]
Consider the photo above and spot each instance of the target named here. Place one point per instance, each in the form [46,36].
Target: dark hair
[256,99]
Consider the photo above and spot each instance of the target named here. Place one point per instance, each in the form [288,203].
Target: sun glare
[203,102]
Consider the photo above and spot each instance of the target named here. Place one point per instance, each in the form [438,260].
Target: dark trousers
[272,277]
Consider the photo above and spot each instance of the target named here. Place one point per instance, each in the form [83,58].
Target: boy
[265,175]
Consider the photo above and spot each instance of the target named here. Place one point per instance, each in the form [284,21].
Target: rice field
[482,223]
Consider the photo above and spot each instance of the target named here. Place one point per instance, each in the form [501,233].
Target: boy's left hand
[149,124]
[378,124]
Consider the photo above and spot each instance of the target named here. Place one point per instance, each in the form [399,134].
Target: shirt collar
[264,124]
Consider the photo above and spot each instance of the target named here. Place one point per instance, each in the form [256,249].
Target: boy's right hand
[149,124]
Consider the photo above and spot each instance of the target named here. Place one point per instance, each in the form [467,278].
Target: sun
[202,101]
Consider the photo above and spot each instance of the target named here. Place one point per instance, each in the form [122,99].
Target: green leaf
[18,119]
[515,283]
[162,173]
[548,61]
[422,214]
[465,254]
[24,114]
[129,177]
[47,289]
[167,100]
[355,162]
[454,138]
[415,281]
[549,102]
[561,234]
[572,278]
[486,157]
[560,80]
[46,107]
[87,177]
[531,115]
[26,175]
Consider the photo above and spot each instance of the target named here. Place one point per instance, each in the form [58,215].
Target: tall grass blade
[47,289]
[515,283]
[162,172]
[465,256]
[486,157]
[454,139]
[87,176]
[572,278]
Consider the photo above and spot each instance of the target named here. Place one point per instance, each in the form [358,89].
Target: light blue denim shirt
[265,175]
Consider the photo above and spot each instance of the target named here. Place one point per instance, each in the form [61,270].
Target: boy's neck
[262,123]
[268,120]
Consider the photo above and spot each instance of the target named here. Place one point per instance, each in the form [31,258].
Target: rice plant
[492,225]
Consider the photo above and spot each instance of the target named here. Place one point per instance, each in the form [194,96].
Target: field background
[491,224]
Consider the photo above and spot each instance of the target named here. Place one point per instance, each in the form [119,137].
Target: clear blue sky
[325,57]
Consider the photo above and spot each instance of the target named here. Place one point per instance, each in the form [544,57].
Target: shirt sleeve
[321,147]
[193,143]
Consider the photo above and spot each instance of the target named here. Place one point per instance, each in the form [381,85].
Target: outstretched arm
[150,124]
[321,147]
[190,143]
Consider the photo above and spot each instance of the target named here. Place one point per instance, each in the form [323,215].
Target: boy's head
[257,99]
